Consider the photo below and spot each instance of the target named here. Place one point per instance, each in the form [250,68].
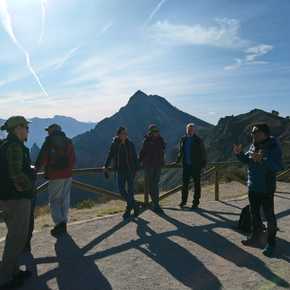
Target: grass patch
[86,204]
[42,210]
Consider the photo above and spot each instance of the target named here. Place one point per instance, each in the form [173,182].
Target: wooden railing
[214,169]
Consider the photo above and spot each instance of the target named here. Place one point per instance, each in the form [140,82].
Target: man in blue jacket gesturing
[264,160]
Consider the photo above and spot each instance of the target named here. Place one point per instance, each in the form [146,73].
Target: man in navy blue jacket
[264,160]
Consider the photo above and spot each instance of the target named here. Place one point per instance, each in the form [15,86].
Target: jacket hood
[56,133]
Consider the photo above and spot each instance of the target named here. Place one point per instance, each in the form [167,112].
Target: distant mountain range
[71,127]
[92,141]
[236,129]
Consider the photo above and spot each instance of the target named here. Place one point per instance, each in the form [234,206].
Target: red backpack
[58,154]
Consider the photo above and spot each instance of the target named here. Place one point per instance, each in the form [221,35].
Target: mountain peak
[138,96]
[141,98]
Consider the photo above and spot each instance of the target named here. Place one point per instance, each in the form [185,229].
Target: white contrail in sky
[67,57]
[155,11]
[43,19]
[7,24]
[106,27]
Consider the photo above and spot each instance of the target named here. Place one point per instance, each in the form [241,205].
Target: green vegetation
[86,204]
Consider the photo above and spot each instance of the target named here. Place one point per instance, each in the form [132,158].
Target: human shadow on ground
[209,239]
[73,270]
[177,260]
[203,235]
[74,267]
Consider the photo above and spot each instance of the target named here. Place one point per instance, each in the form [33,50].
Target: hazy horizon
[95,122]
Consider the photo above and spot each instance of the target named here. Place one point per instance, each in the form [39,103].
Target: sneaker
[59,230]
[182,204]
[269,250]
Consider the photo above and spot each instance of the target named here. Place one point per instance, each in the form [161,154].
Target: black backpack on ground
[245,221]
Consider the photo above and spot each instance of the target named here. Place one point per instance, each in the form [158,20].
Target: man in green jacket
[16,181]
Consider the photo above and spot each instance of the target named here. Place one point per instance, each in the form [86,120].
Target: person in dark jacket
[124,161]
[152,158]
[264,160]
[17,189]
[192,154]
[57,157]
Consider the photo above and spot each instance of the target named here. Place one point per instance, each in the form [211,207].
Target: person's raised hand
[257,156]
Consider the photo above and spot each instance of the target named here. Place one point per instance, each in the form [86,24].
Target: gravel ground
[227,190]
[182,250]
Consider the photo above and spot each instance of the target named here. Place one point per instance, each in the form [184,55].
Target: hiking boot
[127,214]
[195,205]
[136,210]
[182,204]
[269,250]
[253,241]
[13,284]
[158,210]
[23,275]
[59,230]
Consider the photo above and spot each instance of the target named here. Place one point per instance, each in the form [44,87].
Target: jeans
[152,178]
[188,173]
[16,216]
[59,199]
[127,178]
[266,201]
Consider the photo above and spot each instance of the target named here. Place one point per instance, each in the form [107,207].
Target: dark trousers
[152,178]
[31,224]
[266,202]
[191,173]
[126,187]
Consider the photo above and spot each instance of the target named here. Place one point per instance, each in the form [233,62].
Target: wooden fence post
[217,184]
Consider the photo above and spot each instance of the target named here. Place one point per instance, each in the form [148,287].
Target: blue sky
[84,58]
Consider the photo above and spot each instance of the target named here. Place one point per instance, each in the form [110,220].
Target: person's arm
[135,157]
[203,154]
[244,157]
[273,160]
[163,151]
[15,160]
[180,152]
[72,156]
[241,156]
[110,156]
[41,158]
[142,152]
